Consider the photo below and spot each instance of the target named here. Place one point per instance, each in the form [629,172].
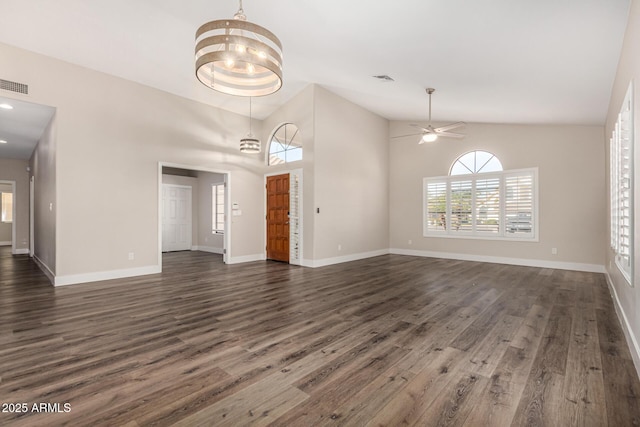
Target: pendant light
[237,57]
[250,144]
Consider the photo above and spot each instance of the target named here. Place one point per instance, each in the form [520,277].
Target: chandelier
[237,57]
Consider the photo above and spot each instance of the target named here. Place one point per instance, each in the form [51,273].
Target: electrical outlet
[339,247]
[554,251]
[410,242]
[131,256]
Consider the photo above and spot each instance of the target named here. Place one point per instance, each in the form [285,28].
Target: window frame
[6,206]
[621,197]
[216,206]
[475,157]
[502,234]
[286,145]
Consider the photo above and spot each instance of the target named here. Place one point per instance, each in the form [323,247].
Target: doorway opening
[191,215]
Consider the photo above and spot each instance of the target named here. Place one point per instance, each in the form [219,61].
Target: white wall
[43,171]
[627,297]
[16,170]
[300,111]
[571,189]
[111,135]
[351,180]
[345,174]
[206,240]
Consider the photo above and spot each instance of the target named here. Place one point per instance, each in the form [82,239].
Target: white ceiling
[22,127]
[504,61]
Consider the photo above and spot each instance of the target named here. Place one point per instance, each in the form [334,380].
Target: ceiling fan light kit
[428,137]
[237,57]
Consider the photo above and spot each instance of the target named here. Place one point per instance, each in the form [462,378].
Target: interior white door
[176,218]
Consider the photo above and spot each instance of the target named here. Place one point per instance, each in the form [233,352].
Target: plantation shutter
[518,204]
[220,207]
[295,207]
[461,206]
[436,206]
[622,194]
[487,206]
[613,177]
[500,205]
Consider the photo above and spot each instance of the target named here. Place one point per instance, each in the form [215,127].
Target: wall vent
[14,86]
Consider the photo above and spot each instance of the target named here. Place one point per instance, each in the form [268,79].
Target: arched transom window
[285,145]
[475,162]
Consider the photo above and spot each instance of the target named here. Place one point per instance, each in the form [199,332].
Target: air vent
[14,86]
[384,78]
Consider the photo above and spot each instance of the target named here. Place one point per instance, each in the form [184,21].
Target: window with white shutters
[217,208]
[518,204]
[6,206]
[487,207]
[295,217]
[621,177]
[436,206]
[492,205]
[461,200]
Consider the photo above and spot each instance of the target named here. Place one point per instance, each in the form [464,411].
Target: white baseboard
[346,258]
[23,251]
[246,258]
[45,269]
[73,279]
[208,249]
[5,243]
[632,343]
[591,268]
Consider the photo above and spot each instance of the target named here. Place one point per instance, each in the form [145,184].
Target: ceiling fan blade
[402,136]
[449,134]
[450,126]
[422,128]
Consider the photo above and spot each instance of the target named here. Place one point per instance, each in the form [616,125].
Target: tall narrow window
[7,207]
[480,200]
[621,177]
[487,208]
[217,208]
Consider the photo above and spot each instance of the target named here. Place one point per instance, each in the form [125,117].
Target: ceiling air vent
[384,78]
[14,86]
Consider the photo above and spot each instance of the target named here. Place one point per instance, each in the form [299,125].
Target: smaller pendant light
[249,144]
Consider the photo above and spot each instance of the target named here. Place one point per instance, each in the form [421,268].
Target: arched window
[285,145]
[479,200]
[475,162]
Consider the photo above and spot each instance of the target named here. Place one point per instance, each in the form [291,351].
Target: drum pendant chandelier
[237,57]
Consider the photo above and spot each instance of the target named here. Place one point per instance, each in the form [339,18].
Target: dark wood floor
[392,340]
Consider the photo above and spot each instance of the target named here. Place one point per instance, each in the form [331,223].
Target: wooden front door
[278,217]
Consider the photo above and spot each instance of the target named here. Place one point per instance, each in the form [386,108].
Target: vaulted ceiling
[506,61]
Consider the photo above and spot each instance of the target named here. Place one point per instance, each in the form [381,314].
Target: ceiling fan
[429,133]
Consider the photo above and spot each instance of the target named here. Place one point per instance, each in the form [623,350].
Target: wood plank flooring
[387,341]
